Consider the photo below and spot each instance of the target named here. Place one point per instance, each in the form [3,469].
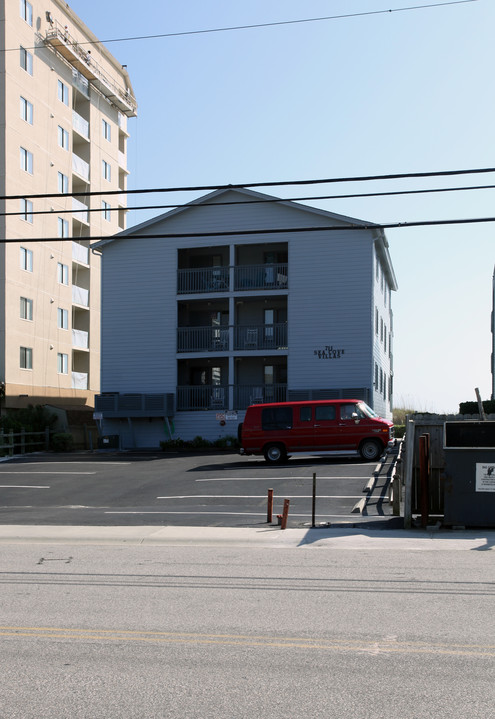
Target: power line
[265,231]
[240,186]
[269,24]
[252,201]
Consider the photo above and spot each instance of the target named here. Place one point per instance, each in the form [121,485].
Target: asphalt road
[345,631]
[191,490]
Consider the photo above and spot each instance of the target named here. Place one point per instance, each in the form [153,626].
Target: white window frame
[63,138]
[106,130]
[62,318]
[106,207]
[26,259]
[63,183]
[62,273]
[27,111]
[63,92]
[26,358]
[26,60]
[106,171]
[26,12]
[27,210]
[62,363]
[63,228]
[26,160]
[26,309]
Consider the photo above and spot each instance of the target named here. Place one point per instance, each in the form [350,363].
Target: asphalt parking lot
[130,489]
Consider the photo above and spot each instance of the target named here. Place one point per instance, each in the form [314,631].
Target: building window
[381,329]
[106,170]
[376,375]
[27,12]
[26,110]
[385,338]
[26,61]
[62,274]
[26,160]
[26,259]
[105,206]
[63,92]
[63,319]
[26,210]
[63,138]
[63,227]
[62,363]
[26,358]
[63,183]
[26,309]
[377,321]
[106,130]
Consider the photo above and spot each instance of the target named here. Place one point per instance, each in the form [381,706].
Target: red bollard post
[285,514]
[269,511]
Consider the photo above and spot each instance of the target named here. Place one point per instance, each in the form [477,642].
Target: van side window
[276,418]
[324,412]
[305,414]
[351,411]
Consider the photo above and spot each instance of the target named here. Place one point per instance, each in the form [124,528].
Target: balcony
[214,397]
[216,339]
[208,279]
[261,337]
[80,125]
[80,296]
[80,167]
[261,277]
[122,161]
[202,339]
[79,380]
[80,339]
[80,213]
[246,277]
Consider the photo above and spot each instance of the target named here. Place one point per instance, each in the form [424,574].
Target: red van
[279,429]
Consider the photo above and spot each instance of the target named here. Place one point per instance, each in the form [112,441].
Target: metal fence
[23,442]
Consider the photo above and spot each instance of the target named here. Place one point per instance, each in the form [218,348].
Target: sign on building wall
[485,477]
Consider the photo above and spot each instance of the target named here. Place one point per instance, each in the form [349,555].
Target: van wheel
[275,453]
[370,450]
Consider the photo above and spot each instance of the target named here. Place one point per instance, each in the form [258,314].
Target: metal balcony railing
[213,397]
[260,337]
[208,279]
[202,339]
[246,277]
[261,277]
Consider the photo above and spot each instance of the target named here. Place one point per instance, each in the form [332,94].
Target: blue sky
[397,92]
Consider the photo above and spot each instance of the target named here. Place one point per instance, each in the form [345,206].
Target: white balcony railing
[80,296]
[80,211]
[80,339]
[80,167]
[122,160]
[80,125]
[79,380]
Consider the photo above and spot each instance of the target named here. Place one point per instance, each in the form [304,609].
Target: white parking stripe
[243,514]
[260,496]
[50,473]
[23,486]
[266,479]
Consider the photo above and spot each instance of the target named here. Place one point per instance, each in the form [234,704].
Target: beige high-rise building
[64,105]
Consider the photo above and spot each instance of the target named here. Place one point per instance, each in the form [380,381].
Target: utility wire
[279,183]
[252,202]
[268,24]
[261,231]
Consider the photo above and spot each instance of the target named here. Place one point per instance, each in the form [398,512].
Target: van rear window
[276,418]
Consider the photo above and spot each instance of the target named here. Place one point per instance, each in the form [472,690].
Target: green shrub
[399,430]
[472,407]
[62,442]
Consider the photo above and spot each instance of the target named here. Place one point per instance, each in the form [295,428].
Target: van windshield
[367,410]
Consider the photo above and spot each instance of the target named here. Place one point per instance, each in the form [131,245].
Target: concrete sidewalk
[273,537]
